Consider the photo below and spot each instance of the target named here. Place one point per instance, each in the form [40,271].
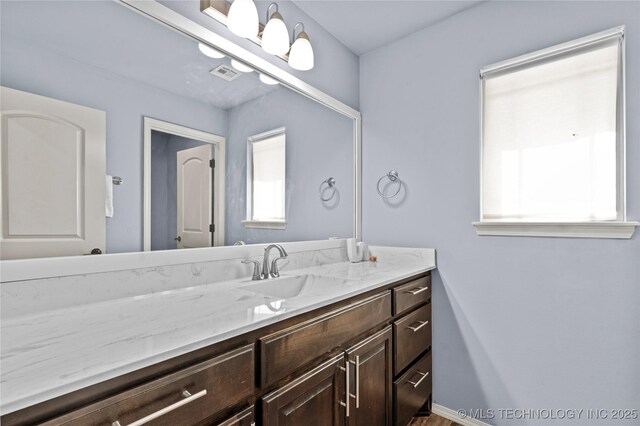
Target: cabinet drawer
[182,398]
[411,294]
[244,418]
[284,352]
[412,336]
[412,390]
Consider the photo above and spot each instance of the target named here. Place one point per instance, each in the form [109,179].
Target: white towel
[108,205]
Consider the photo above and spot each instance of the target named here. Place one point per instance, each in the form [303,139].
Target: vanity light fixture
[271,37]
[243,18]
[210,51]
[240,66]
[275,36]
[268,80]
[301,53]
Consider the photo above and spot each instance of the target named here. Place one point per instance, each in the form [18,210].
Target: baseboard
[452,415]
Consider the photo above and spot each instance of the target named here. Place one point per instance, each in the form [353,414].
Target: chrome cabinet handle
[417,290]
[416,384]
[178,238]
[188,398]
[239,419]
[422,324]
[357,381]
[348,394]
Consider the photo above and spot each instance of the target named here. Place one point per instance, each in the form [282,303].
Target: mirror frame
[180,23]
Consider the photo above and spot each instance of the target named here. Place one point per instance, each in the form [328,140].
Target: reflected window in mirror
[266,161]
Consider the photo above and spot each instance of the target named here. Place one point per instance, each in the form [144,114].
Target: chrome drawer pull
[188,398]
[417,290]
[422,324]
[239,419]
[416,384]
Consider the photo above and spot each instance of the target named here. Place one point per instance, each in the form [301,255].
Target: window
[553,141]
[266,155]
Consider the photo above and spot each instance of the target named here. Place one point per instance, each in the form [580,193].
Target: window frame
[250,222]
[619,228]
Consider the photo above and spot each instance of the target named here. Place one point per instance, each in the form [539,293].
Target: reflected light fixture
[210,51]
[301,54]
[275,36]
[243,19]
[240,66]
[268,80]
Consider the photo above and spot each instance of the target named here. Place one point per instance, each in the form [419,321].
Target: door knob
[178,238]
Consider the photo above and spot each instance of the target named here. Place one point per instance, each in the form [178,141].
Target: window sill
[623,230]
[265,224]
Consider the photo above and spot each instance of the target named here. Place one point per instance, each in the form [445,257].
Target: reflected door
[52,177]
[195,227]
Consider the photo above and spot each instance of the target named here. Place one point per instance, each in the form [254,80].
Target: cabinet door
[370,375]
[312,399]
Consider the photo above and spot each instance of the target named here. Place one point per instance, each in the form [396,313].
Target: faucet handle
[256,269]
[275,273]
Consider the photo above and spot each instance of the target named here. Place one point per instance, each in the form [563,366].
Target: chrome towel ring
[331,184]
[393,177]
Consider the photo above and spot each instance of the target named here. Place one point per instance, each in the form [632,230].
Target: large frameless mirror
[122,134]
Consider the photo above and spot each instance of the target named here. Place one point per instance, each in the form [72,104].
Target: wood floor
[432,420]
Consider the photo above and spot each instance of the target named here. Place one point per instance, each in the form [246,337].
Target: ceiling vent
[225,72]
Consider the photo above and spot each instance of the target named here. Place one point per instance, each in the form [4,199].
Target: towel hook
[393,177]
[331,184]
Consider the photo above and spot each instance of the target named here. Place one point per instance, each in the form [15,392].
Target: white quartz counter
[50,353]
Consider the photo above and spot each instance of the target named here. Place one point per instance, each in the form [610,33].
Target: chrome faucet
[266,273]
[274,264]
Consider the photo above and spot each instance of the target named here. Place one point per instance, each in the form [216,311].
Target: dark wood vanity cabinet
[313,398]
[364,361]
[187,397]
[412,349]
[370,378]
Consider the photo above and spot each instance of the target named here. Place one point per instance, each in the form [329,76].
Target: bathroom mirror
[179,120]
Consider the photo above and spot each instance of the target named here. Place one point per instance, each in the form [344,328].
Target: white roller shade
[549,139]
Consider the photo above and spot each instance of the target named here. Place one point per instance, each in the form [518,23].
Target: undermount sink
[293,286]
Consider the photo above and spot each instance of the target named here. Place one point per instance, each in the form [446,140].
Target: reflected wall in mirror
[123,66]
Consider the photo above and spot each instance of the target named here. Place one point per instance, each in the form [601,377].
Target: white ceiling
[365,25]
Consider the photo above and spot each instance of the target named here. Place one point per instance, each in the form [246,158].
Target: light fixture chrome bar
[219,10]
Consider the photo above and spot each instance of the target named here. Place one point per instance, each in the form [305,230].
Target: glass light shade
[242,19]
[301,54]
[268,80]
[240,66]
[210,51]
[275,37]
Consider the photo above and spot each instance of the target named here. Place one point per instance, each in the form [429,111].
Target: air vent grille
[225,72]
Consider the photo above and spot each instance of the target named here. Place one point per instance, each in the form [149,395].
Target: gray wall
[336,67]
[126,102]
[518,322]
[319,144]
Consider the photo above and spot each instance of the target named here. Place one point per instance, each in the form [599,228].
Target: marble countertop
[51,353]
